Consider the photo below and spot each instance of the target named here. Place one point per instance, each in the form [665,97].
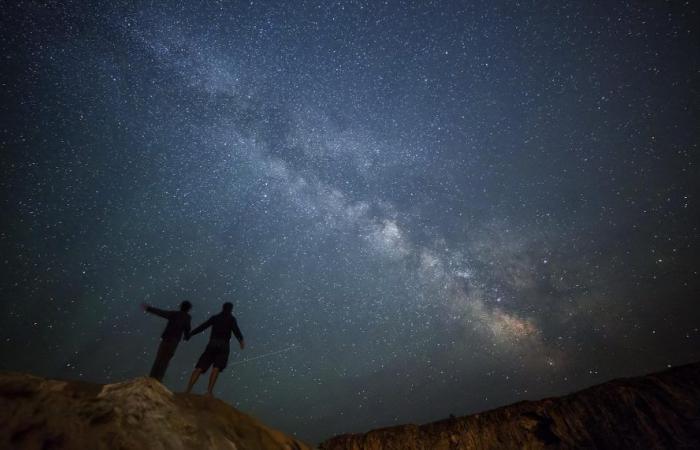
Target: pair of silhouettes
[223,325]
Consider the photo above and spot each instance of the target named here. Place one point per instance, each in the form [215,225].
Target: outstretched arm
[158,312]
[201,328]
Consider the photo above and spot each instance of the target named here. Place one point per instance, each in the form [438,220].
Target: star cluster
[417,208]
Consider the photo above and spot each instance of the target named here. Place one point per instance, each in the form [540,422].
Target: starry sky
[417,208]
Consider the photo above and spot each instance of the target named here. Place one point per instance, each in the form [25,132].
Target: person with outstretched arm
[223,325]
[177,327]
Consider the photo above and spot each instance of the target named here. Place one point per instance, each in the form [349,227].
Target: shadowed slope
[655,411]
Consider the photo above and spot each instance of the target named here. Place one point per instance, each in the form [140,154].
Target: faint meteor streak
[265,355]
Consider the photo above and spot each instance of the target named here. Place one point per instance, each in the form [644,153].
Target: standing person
[216,353]
[178,325]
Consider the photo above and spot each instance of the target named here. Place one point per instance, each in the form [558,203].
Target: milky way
[417,209]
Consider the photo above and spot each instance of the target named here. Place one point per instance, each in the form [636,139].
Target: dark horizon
[417,209]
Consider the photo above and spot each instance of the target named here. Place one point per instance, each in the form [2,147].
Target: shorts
[214,354]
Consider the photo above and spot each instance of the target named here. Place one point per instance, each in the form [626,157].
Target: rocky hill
[655,411]
[37,413]
[659,411]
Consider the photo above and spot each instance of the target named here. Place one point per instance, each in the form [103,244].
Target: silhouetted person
[178,325]
[217,350]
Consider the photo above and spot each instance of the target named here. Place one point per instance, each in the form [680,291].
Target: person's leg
[212,381]
[166,350]
[170,350]
[193,379]
[219,362]
[156,369]
[203,364]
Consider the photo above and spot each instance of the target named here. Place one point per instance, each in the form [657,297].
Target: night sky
[417,209]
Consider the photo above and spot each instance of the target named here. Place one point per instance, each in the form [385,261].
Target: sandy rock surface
[38,413]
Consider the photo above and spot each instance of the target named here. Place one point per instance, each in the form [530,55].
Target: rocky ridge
[39,413]
[657,411]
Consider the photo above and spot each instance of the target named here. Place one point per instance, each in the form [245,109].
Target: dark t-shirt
[178,323]
[222,326]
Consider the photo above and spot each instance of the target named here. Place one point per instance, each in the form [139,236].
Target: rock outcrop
[38,413]
[659,411]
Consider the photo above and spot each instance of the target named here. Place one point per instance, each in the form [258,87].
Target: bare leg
[193,379]
[212,380]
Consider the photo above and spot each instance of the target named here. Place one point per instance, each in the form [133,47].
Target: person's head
[228,307]
[185,306]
